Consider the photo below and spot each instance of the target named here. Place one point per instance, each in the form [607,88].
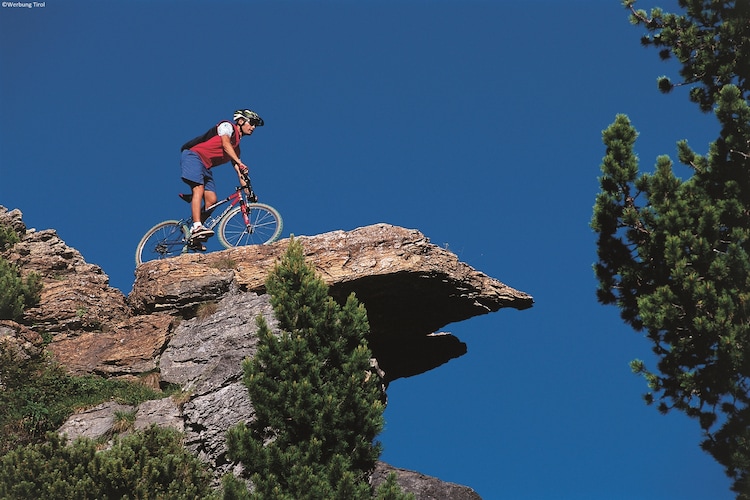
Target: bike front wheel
[263,225]
[166,239]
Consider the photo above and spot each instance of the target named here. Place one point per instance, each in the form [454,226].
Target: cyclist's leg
[195,203]
[192,174]
[209,190]
[199,178]
[209,198]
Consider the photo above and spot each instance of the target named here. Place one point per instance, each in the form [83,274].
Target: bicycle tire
[265,226]
[164,240]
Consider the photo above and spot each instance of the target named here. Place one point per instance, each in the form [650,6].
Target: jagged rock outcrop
[190,321]
[76,296]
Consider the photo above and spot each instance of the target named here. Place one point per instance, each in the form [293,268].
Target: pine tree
[317,406]
[674,255]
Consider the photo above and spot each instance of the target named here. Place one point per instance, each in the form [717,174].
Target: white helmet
[250,116]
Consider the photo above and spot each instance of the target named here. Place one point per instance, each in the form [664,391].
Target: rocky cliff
[191,320]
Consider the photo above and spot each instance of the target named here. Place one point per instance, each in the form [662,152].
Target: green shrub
[8,237]
[147,464]
[37,395]
[17,293]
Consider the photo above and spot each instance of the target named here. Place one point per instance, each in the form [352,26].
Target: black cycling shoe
[197,245]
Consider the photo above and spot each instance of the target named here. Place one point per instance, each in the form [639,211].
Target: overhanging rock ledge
[410,287]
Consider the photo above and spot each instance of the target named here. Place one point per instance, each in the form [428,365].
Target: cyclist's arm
[226,143]
[241,173]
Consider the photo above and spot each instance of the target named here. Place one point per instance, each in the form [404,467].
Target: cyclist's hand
[245,178]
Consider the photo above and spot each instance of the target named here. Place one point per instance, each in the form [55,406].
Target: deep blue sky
[477,122]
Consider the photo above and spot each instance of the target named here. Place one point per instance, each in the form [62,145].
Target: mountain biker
[219,145]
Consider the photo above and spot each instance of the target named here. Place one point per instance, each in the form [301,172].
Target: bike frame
[233,200]
[243,221]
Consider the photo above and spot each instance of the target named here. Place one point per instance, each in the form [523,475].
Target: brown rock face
[132,347]
[76,296]
[89,322]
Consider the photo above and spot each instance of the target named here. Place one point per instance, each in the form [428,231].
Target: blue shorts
[195,172]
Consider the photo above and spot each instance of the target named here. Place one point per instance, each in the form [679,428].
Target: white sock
[196,225]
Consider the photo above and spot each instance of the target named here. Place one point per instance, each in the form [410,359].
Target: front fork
[246,216]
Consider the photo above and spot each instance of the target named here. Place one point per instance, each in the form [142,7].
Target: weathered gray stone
[207,419]
[94,423]
[422,486]
[162,412]
[206,354]
[205,358]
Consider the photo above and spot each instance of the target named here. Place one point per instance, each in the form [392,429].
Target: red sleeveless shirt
[209,148]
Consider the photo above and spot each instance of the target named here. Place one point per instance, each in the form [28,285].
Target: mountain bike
[243,222]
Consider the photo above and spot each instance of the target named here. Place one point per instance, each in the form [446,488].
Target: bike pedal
[197,246]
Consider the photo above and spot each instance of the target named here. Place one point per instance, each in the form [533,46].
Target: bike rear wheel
[166,239]
[263,226]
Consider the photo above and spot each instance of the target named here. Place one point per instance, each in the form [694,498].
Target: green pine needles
[674,255]
[317,405]
[147,464]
